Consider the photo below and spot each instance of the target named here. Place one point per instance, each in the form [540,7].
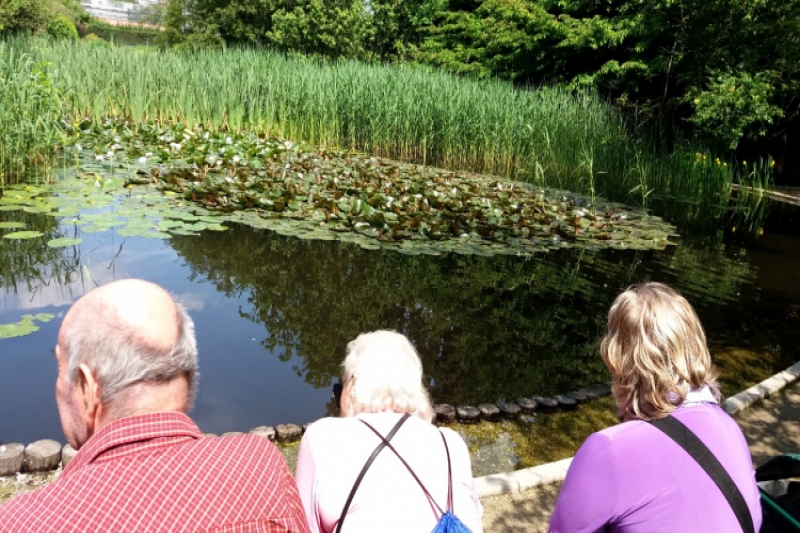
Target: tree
[729,67]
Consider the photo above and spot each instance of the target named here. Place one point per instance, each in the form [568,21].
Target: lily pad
[19,235]
[25,326]
[63,242]
[94,229]
[12,225]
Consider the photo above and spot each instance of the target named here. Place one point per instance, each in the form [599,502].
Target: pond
[274,314]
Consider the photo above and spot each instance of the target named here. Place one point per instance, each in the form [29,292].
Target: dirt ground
[771,428]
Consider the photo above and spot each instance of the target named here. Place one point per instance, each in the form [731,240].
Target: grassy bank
[549,136]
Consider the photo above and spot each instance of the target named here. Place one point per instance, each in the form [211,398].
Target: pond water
[274,314]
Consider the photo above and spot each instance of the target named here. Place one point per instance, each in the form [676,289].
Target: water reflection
[275,313]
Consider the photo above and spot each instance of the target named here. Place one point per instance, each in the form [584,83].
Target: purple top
[633,478]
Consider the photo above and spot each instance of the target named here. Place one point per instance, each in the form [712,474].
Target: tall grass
[408,112]
[30,114]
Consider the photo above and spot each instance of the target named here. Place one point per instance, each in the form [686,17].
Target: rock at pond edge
[489,411]
[566,403]
[468,414]
[288,432]
[67,454]
[445,412]
[527,405]
[509,410]
[11,458]
[547,405]
[578,396]
[268,432]
[42,455]
[591,393]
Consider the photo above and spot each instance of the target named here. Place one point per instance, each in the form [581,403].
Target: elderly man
[127,372]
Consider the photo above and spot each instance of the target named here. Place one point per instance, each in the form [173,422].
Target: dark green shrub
[20,16]
[61,27]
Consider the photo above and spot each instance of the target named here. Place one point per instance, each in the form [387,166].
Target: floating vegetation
[350,197]
[92,206]
[19,235]
[25,326]
[63,242]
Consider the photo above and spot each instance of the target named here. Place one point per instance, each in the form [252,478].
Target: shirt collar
[698,396]
[134,434]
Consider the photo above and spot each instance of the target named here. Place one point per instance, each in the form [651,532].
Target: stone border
[756,393]
[527,478]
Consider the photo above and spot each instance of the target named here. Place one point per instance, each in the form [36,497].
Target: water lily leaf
[10,207]
[19,329]
[94,229]
[23,235]
[12,225]
[216,227]
[63,242]
[37,209]
[180,215]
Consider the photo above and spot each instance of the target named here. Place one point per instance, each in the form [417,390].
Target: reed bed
[30,115]
[408,112]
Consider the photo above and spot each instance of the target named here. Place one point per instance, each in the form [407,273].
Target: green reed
[30,115]
[407,112]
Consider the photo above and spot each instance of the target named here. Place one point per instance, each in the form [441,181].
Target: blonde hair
[655,348]
[388,376]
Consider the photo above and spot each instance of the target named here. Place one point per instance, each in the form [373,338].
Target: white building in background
[113,10]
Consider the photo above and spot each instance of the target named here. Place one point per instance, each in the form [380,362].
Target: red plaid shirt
[156,472]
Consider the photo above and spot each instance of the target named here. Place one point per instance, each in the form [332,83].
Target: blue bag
[449,523]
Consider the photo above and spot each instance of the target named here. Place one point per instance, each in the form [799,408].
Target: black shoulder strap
[687,440]
[449,476]
[381,446]
[408,467]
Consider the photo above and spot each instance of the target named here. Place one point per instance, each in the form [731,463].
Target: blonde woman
[633,477]
[382,397]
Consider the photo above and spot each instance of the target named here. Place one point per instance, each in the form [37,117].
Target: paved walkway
[771,428]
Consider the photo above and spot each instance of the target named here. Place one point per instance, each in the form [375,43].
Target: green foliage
[61,27]
[551,137]
[320,27]
[17,16]
[733,106]
[382,29]
[30,115]
[31,16]
[664,56]
[122,35]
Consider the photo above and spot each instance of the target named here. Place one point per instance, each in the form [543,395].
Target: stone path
[771,428]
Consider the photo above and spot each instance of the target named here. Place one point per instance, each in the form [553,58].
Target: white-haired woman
[635,477]
[408,483]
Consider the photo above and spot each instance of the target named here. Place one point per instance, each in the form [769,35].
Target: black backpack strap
[408,467]
[449,476]
[687,440]
[381,446]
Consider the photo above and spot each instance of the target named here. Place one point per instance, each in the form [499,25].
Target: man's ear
[89,398]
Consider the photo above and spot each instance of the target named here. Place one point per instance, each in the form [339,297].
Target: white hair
[388,376]
[119,355]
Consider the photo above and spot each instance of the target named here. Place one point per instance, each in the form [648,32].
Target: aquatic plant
[30,116]
[376,203]
[25,326]
[405,112]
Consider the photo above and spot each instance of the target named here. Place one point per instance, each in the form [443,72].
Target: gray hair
[388,376]
[119,356]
